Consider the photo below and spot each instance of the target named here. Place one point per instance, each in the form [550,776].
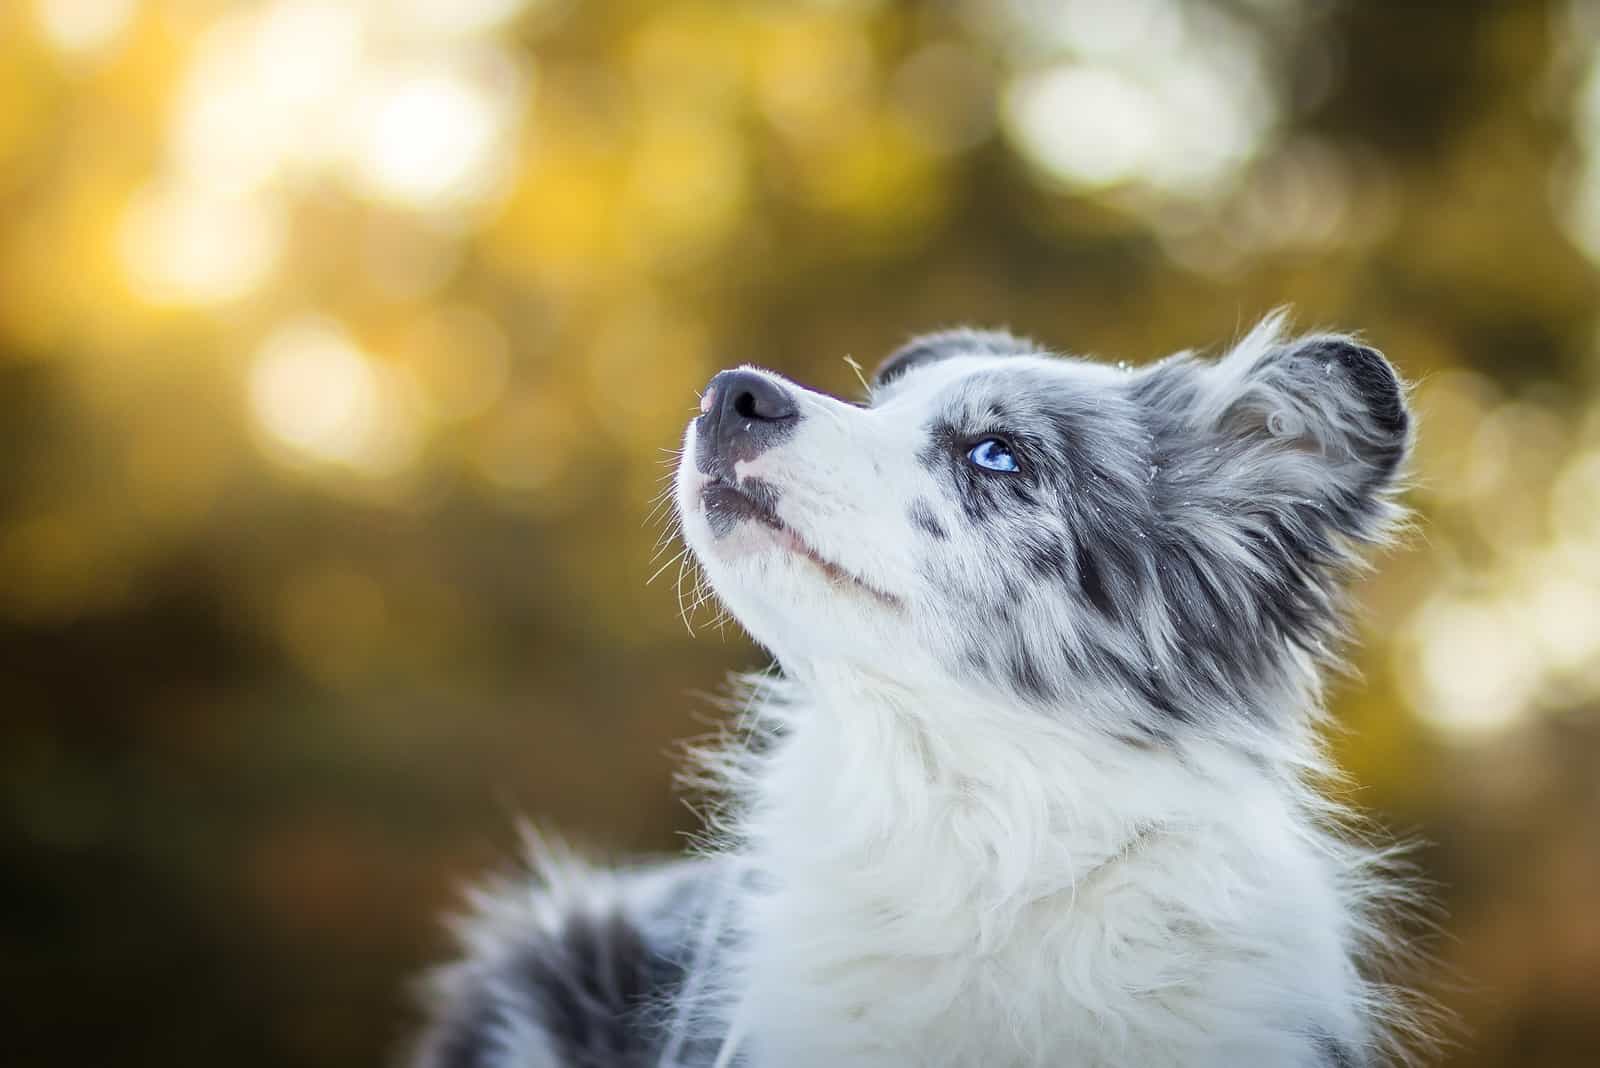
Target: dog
[1041,781]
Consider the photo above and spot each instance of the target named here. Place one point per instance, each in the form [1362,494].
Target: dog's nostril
[754,397]
[770,406]
[742,413]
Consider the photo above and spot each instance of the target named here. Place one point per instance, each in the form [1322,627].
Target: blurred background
[340,342]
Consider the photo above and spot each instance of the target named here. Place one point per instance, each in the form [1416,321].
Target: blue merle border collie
[1041,781]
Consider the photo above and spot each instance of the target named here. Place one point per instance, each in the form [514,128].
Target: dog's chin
[749,548]
[740,533]
[791,606]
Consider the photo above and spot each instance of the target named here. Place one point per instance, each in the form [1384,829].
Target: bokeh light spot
[1114,27]
[456,17]
[1476,668]
[315,391]
[429,139]
[1083,126]
[263,93]
[186,244]
[81,26]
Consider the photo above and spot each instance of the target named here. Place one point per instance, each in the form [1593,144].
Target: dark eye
[993,455]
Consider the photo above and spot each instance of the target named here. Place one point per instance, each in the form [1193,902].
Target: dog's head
[1155,546]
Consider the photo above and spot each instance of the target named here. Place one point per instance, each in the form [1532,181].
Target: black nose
[742,414]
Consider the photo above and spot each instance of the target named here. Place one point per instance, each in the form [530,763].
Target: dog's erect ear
[1319,421]
[1323,416]
[1324,395]
[930,348]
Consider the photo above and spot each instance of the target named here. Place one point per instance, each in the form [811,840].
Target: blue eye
[993,454]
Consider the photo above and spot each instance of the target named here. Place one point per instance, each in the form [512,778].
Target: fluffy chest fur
[999,893]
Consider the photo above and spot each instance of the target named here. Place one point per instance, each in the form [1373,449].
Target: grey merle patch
[923,517]
[595,986]
[1183,529]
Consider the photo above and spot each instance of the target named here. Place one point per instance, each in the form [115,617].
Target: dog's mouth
[727,505]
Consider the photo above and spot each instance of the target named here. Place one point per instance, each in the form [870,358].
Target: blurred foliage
[340,343]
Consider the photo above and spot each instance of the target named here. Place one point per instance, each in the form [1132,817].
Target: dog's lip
[730,496]
[746,504]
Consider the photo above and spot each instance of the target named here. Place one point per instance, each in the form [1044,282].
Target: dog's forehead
[964,381]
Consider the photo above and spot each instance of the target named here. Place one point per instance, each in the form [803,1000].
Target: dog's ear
[1315,425]
[931,348]
[1321,416]
[1325,395]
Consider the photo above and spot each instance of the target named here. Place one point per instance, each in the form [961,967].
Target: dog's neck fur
[962,883]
